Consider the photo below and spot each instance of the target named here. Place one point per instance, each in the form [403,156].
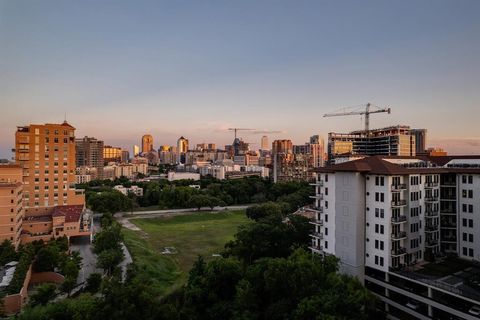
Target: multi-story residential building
[420,141]
[112,154]
[147,143]
[392,221]
[391,141]
[282,146]
[89,153]
[125,156]
[11,206]
[47,156]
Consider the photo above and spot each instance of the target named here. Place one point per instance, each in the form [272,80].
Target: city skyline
[119,70]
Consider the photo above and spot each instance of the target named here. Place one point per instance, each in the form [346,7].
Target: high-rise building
[420,141]
[315,148]
[89,153]
[147,143]
[391,141]
[182,148]
[282,146]
[264,143]
[136,151]
[112,154]
[11,206]
[47,156]
[391,220]
[125,156]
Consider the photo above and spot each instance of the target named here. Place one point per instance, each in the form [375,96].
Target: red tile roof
[380,165]
[71,213]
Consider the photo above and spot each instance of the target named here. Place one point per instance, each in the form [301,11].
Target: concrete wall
[350,222]
[13,303]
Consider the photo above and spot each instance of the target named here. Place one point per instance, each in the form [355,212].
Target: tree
[108,238]
[68,285]
[47,259]
[7,252]
[94,282]
[44,293]
[259,211]
[109,259]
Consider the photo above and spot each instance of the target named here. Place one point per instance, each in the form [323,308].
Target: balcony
[399,203]
[399,219]
[431,213]
[317,235]
[430,185]
[431,228]
[431,243]
[399,187]
[318,249]
[318,196]
[399,235]
[431,199]
[318,183]
[315,209]
[318,222]
[399,252]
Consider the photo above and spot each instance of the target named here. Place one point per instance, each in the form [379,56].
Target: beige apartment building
[47,156]
[11,208]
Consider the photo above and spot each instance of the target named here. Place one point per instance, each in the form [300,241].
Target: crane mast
[368,110]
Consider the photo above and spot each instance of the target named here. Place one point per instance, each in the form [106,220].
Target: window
[464,222]
[470,194]
[326,244]
[382,213]
[326,178]
[381,261]
[326,231]
[464,193]
[326,218]
[464,207]
[376,259]
[464,236]
[470,237]
[382,197]
[470,252]
[470,223]
[376,244]
[382,229]
[464,251]
[326,191]
[464,179]
[470,208]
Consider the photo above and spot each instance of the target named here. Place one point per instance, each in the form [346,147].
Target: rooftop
[388,165]
[72,213]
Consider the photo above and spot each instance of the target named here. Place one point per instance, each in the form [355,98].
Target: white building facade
[387,217]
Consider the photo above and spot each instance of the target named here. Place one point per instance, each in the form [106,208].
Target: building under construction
[390,141]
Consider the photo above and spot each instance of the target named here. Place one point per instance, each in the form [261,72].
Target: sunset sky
[120,69]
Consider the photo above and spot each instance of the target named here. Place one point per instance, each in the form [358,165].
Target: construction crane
[239,129]
[267,131]
[366,110]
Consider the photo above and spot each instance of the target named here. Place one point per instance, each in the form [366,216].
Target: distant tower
[136,150]
[147,143]
[264,143]
[182,148]
[317,149]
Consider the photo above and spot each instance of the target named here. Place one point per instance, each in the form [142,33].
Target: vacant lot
[203,233]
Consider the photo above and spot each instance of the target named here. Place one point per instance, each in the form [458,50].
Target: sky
[121,69]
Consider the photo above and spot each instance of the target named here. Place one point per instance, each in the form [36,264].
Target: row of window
[467,179]
[467,222]
[467,193]
[467,237]
[467,208]
[467,252]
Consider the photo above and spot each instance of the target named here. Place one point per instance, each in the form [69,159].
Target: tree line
[101,196]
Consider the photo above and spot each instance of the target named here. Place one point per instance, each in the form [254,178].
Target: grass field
[203,233]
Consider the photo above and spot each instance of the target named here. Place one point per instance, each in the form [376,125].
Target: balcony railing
[315,209]
[399,203]
[317,222]
[399,235]
[399,219]
[399,186]
[431,243]
[431,213]
[398,252]
[432,228]
[316,248]
[430,185]
[317,235]
[431,199]
[317,183]
[318,196]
